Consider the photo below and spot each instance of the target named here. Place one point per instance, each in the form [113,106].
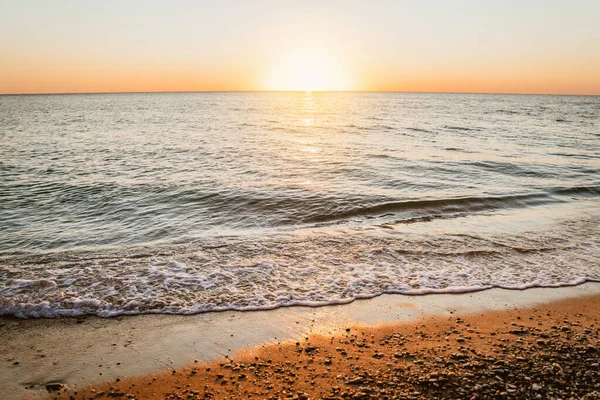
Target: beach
[143,233]
[70,354]
[317,199]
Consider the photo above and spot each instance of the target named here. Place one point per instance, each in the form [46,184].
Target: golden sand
[544,352]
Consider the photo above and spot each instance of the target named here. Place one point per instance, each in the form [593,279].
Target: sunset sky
[506,46]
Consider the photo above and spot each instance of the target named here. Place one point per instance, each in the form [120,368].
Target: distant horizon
[300,91]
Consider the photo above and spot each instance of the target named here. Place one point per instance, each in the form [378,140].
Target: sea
[183,203]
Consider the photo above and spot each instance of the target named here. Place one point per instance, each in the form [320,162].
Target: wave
[418,129]
[461,128]
[146,213]
[510,112]
[95,307]
[442,208]
[384,127]
[576,155]
[587,191]
[511,169]
[438,206]
[289,270]
[458,149]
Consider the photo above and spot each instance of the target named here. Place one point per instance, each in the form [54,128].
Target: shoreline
[76,352]
[541,246]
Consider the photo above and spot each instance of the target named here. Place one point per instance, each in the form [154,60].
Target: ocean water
[182,203]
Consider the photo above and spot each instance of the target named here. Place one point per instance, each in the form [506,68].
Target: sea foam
[312,269]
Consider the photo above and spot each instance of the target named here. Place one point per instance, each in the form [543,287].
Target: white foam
[309,270]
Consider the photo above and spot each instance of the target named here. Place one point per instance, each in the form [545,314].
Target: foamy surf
[310,269]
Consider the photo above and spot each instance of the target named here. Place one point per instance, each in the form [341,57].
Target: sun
[308,71]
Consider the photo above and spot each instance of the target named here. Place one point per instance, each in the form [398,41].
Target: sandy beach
[317,199]
[376,348]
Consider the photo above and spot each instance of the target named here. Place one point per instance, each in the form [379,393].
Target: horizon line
[295,91]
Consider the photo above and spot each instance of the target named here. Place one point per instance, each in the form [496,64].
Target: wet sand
[76,353]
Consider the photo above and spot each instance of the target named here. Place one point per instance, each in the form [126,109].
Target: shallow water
[190,202]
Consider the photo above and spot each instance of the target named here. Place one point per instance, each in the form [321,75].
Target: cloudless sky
[498,46]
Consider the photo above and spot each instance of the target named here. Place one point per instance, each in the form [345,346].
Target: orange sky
[71,46]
